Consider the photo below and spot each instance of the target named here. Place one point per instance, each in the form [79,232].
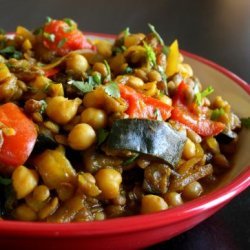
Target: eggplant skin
[150,137]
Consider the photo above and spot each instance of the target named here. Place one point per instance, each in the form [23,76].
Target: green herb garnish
[128,70]
[84,87]
[102,135]
[200,95]
[151,57]
[48,19]
[11,52]
[97,78]
[112,89]
[157,35]
[130,160]
[245,122]
[50,37]
[108,77]
[217,113]
[5,181]
[126,32]
[157,114]
[2,31]
[43,106]
[38,31]
[62,42]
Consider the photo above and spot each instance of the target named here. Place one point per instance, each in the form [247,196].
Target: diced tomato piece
[62,38]
[142,106]
[184,113]
[16,148]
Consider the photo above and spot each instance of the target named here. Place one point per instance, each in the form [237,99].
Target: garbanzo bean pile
[91,130]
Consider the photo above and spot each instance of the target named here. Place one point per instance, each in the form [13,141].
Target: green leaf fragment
[200,95]
[102,135]
[126,32]
[5,181]
[10,51]
[150,54]
[217,113]
[130,160]
[62,42]
[2,31]
[108,77]
[245,122]
[157,35]
[48,19]
[48,36]
[84,87]
[112,89]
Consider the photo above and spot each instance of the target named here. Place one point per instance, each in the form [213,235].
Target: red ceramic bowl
[144,230]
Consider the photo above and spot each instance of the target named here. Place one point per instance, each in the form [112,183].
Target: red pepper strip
[58,36]
[184,114]
[142,106]
[51,72]
[201,126]
[16,148]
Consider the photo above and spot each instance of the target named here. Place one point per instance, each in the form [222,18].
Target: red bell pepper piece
[62,38]
[184,114]
[16,148]
[51,72]
[142,106]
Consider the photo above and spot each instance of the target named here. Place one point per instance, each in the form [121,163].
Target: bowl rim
[134,223]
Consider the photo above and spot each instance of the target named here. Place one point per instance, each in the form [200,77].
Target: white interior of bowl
[239,100]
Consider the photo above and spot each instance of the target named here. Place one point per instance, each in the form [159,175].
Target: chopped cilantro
[128,70]
[2,31]
[97,78]
[5,181]
[102,135]
[157,114]
[108,77]
[84,87]
[62,42]
[200,95]
[38,31]
[11,52]
[126,32]
[151,57]
[245,122]
[112,89]
[130,160]
[69,21]
[217,113]
[152,28]
[50,37]
[48,19]
[43,106]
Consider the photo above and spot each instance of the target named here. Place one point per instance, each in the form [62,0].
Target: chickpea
[61,110]
[166,100]
[94,98]
[135,82]
[96,118]
[24,181]
[192,190]
[109,180]
[154,75]
[152,203]
[189,149]
[133,39]
[24,213]
[81,137]
[173,199]
[41,193]
[77,64]
[54,168]
[101,68]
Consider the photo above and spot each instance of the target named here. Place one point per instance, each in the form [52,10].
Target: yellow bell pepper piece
[173,59]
